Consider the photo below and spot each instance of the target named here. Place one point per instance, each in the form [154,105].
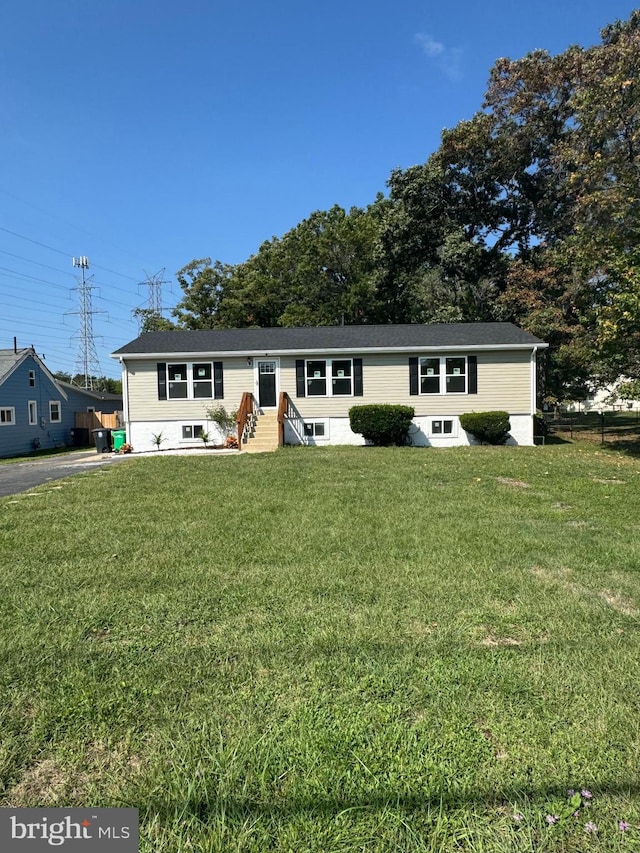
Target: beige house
[303,381]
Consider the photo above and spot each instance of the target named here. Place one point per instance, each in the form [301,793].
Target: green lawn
[343,649]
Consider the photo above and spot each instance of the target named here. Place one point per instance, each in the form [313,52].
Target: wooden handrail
[246,412]
[283,405]
[287,412]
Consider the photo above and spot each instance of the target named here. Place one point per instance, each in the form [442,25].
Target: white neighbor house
[312,376]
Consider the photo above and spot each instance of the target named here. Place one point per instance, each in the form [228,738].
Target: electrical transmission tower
[153,309]
[87,364]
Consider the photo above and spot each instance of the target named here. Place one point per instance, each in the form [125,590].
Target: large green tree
[202,284]
[528,211]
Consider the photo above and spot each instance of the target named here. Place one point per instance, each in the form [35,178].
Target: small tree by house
[225,421]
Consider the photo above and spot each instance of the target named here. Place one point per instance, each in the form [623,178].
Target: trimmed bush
[382,424]
[487,427]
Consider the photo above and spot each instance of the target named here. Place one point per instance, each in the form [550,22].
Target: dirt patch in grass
[421,629]
[508,481]
[620,603]
[42,784]
[59,782]
[492,641]
[561,577]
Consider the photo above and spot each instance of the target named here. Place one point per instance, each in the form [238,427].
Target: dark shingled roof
[357,338]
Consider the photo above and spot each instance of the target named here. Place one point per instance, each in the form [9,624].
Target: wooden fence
[95,420]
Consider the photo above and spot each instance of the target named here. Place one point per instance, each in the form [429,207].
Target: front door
[267,391]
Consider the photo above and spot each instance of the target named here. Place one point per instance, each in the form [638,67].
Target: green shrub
[487,427]
[382,424]
[225,421]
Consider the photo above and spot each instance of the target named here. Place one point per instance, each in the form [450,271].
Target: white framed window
[316,429]
[443,374]
[186,381]
[55,412]
[190,431]
[178,386]
[32,379]
[329,377]
[33,413]
[7,416]
[442,428]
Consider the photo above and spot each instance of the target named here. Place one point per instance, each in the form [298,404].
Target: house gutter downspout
[125,400]
[534,363]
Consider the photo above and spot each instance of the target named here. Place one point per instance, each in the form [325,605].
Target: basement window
[442,428]
[191,431]
[316,429]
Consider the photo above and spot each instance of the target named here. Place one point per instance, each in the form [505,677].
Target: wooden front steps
[265,434]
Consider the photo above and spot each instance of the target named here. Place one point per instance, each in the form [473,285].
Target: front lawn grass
[341,649]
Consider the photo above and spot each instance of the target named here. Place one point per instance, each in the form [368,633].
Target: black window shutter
[357,377]
[472,369]
[161,367]
[413,376]
[218,385]
[300,383]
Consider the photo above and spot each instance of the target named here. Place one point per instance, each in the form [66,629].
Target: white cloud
[429,45]
[448,60]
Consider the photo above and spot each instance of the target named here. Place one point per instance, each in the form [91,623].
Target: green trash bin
[119,438]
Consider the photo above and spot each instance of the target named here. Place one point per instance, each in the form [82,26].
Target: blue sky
[146,133]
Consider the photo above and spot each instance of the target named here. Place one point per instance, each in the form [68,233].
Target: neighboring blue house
[36,410]
[85,400]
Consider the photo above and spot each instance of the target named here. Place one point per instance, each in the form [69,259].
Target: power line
[37,263]
[58,251]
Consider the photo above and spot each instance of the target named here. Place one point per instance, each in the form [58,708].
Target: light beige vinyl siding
[504,383]
[143,391]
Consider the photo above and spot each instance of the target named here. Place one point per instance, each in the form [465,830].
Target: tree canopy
[529,211]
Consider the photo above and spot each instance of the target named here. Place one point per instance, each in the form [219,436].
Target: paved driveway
[20,476]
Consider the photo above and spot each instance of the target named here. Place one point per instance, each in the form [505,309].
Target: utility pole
[87,363]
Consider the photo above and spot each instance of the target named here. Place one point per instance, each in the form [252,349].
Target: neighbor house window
[32,378]
[192,431]
[329,377]
[55,414]
[443,375]
[7,416]
[33,413]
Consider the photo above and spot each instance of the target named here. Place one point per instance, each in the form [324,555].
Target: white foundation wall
[338,431]
[140,434]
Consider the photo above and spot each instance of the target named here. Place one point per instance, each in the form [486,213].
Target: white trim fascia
[324,351]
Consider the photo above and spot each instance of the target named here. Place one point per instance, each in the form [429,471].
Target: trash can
[119,438]
[80,437]
[102,439]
